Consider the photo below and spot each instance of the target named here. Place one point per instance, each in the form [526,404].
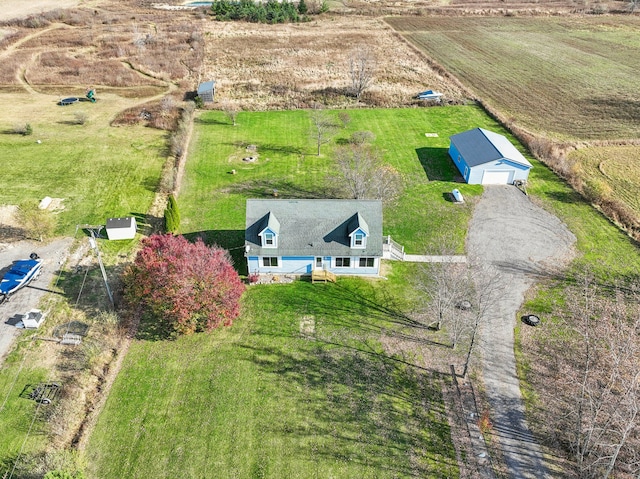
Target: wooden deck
[322,275]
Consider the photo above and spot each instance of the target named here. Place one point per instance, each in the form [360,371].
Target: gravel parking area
[53,255]
[522,241]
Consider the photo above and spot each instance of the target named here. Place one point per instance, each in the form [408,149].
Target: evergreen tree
[171,215]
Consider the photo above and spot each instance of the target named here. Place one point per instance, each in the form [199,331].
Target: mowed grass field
[272,396]
[613,167]
[97,170]
[298,387]
[212,200]
[569,78]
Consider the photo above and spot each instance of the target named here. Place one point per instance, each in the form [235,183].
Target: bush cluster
[182,287]
[270,12]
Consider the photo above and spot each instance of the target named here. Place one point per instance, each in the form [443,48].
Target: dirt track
[53,255]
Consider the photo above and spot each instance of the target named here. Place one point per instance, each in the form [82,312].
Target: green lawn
[260,400]
[99,171]
[212,200]
[16,412]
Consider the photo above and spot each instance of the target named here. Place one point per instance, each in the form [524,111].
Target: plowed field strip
[568,78]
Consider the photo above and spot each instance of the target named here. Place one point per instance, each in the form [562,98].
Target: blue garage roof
[480,146]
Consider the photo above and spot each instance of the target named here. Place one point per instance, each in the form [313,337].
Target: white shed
[207,90]
[121,228]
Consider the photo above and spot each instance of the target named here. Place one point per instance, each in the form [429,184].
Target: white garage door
[496,177]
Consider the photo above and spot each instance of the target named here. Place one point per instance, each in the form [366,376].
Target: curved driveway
[522,241]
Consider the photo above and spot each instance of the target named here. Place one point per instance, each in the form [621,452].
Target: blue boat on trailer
[21,273]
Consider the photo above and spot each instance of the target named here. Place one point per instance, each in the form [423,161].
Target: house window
[466,171]
[358,240]
[269,240]
[367,262]
[270,261]
[343,262]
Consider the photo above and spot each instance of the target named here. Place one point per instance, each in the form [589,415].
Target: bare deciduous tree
[231,110]
[362,137]
[487,287]
[596,382]
[324,127]
[344,118]
[445,286]
[362,64]
[363,174]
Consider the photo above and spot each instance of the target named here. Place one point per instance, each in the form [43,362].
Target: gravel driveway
[508,232]
[53,255]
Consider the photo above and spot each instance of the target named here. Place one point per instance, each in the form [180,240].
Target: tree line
[271,11]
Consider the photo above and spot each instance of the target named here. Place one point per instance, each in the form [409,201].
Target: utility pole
[94,246]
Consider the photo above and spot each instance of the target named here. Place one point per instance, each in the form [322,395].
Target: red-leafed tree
[188,287]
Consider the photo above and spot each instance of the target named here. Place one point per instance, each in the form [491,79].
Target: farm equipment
[45,393]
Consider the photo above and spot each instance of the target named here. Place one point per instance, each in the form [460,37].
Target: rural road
[53,255]
[519,240]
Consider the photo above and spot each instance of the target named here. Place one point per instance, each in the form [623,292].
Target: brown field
[295,65]
[10,9]
[562,77]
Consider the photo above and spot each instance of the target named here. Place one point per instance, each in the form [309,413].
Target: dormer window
[358,230]
[269,239]
[269,230]
[359,239]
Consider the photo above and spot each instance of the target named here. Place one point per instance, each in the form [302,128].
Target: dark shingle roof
[315,227]
[480,146]
[113,223]
[269,221]
[357,221]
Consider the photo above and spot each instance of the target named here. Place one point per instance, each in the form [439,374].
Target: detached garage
[487,158]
